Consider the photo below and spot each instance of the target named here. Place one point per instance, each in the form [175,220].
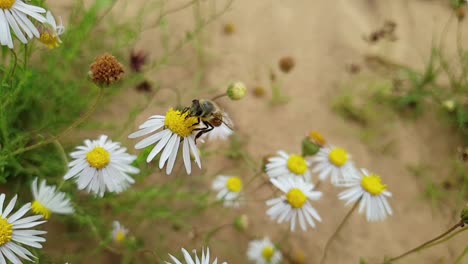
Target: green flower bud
[241,223]
[236,91]
[309,148]
[464,215]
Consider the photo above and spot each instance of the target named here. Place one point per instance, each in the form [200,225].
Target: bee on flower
[294,205]
[263,252]
[335,162]
[50,31]
[14,231]
[288,165]
[229,190]
[101,165]
[205,258]
[371,193]
[48,200]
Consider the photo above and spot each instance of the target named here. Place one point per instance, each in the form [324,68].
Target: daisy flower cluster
[26,22]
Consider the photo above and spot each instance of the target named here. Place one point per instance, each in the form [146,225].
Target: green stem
[446,238]
[338,229]
[460,258]
[77,122]
[210,234]
[219,96]
[15,62]
[459,224]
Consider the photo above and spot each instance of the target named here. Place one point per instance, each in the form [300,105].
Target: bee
[208,113]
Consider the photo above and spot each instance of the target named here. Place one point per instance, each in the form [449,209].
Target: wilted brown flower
[258,91]
[105,70]
[138,60]
[286,64]
[144,87]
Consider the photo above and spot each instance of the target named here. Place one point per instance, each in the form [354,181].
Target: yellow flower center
[39,208]
[120,236]
[373,184]
[338,157]
[268,253]
[296,198]
[98,158]
[7,4]
[49,39]
[6,231]
[297,164]
[234,184]
[317,138]
[179,123]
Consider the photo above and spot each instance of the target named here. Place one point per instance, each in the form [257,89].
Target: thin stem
[459,224]
[446,238]
[338,229]
[15,62]
[219,96]
[210,234]
[77,122]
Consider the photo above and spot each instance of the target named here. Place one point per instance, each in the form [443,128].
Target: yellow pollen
[120,236]
[7,4]
[268,253]
[297,164]
[338,157]
[296,198]
[6,231]
[39,208]
[317,138]
[179,123]
[234,184]
[373,184]
[98,158]
[50,40]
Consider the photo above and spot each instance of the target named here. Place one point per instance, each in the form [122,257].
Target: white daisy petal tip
[288,165]
[229,190]
[204,259]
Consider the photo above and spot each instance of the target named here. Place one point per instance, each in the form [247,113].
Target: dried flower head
[144,87]
[286,64]
[138,60]
[259,91]
[105,70]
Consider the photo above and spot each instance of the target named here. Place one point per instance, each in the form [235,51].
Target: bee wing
[227,121]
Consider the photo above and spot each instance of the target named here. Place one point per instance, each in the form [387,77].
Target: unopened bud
[309,148]
[236,91]
[241,223]
[449,105]
[317,138]
[464,215]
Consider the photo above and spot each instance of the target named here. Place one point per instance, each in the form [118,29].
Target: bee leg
[204,130]
[197,123]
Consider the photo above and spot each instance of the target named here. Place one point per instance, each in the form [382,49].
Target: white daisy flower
[221,133]
[295,203]
[229,190]
[285,165]
[15,14]
[48,200]
[50,32]
[119,232]
[101,165]
[176,130]
[335,162]
[372,193]
[205,259]
[14,232]
[263,252]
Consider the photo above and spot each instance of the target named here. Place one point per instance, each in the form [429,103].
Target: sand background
[324,37]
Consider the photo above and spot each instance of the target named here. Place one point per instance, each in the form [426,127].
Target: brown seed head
[229,29]
[138,60]
[144,87]
[258,91]
[105,70]
[286,64]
